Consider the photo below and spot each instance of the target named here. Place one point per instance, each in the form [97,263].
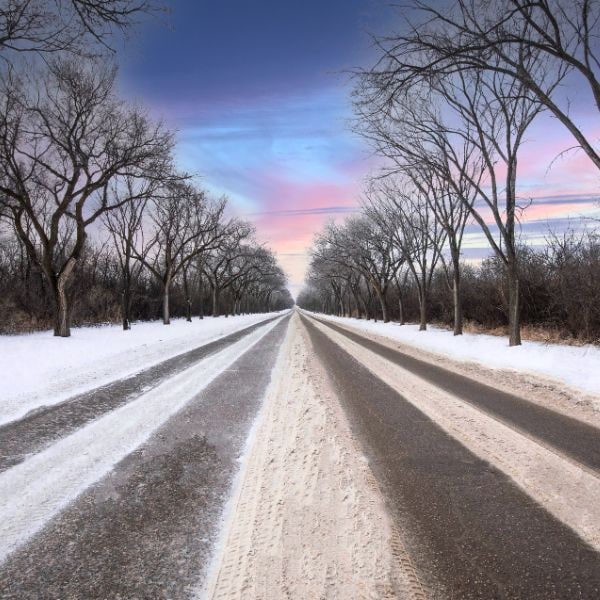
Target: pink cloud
[287,220]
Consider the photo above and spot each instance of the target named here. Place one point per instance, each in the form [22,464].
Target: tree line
[92,205]
[447,106]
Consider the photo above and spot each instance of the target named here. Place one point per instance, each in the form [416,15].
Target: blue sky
[259,94]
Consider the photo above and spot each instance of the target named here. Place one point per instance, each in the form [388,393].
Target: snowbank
[39,369]
[576,366]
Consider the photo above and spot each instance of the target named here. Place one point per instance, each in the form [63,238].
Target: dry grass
[534,333]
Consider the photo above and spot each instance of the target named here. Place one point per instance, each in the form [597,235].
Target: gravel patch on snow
[308,519]
[39,369]
[566,490]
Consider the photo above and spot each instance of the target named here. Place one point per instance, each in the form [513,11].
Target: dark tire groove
[471,532]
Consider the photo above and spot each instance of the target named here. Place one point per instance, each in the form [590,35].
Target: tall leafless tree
[51,26]
[256,265]
[540,44]
[362,245]
[125,227]
[493,111]
[183,224]
[403,211]
[63,141]
[443,163]
[228,261]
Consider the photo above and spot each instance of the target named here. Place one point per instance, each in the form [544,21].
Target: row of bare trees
[179,234]
[76,161]
[354,273]
[106,287]
[448,105]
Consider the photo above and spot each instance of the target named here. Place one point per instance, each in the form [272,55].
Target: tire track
[38,429]
[309,519]
[571,437]
[147,529]
[470,530]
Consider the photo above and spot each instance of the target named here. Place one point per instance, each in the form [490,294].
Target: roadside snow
[39,369]
[32,492]
[576,366]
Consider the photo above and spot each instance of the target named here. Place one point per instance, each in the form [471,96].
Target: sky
[258,92]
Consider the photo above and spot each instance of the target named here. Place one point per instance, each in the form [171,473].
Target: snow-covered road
[304,458]
[39,369]
[129,505]
[485,510]
[46,424]
[574,366]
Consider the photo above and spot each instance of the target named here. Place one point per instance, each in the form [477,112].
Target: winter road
[39,428]
[145,529]
[367,472]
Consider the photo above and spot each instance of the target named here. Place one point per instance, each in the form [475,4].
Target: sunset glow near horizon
[262,113]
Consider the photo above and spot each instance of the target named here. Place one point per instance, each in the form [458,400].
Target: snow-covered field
[40,369]
[575,366]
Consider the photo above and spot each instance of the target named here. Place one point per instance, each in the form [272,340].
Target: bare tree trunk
[458,312]
[423,316]
[400,310]
[61,322]
[61,306]
[215,301]
[400,303]
[166,308]
[383,303]
[457,299]
[201,288]
[188,302]
[125,310]
[126,296]
[422,308]
[514,305]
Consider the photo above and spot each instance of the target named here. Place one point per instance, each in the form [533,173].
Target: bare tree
[498,111]
[493,111]
[362,245]
[328,266]
[125,227]
[184,223]
[539,44]
[442,163]
[226,263]
[403,211]
[257,265]
[63,141]
[51,26]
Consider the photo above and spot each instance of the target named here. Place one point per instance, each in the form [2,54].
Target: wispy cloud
[324,210]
